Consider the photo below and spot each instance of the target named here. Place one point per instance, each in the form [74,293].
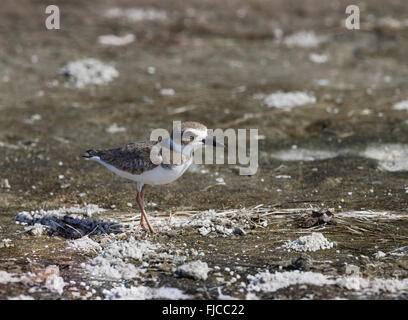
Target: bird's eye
[191,138]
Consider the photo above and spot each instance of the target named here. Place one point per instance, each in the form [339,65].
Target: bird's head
[191,135]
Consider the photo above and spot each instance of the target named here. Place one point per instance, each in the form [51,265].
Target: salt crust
[304,39]
[88,72]
[289,100]
[313,242]
[48,278]
[271,282]
[137,14]
[144,293]
[195,269]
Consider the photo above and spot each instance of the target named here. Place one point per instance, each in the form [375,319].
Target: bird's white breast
[158,175]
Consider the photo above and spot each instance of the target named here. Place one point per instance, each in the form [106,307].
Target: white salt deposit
[373,285]
[391,157]
[251,296]
[137,14]
[289,100]
[38,214]
[220,180]
[222,296]
[271,282]
[304,39]
[6,277]
[21,297]
[216,223]
[112,268]
[304,155]
[402,105]
[89,209]
[321,82]
[131,248]
[9,145]
[318,58]
[126,260]
[114,262]
[144,293]
[53,281]
[88,72]
[84,244]
[167,92]
[379,255]
[37,229]
[6,243]
[114,128]
[112,40]
[204,231]
[151,70]
[197,270]
[392,23]
[48,278]
[313,242]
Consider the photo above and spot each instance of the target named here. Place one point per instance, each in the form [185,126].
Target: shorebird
[148,163]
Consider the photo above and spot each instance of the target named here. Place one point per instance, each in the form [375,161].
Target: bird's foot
[144,226]
[154,231]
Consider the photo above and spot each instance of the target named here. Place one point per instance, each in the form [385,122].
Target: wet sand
[344,152]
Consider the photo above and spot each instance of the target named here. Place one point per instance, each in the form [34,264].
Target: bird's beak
[213,142]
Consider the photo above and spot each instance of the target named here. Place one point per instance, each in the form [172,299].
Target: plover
[146,164]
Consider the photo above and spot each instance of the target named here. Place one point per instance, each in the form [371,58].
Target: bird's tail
[90,153]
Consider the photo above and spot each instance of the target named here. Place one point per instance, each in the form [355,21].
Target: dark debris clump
[316,218]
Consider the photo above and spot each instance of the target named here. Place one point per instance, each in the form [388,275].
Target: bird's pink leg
[140,202]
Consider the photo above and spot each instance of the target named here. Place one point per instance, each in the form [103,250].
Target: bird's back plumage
[133,157]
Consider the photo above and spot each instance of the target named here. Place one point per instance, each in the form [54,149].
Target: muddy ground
[217,57]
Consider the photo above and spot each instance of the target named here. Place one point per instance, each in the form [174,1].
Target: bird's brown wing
[133,157]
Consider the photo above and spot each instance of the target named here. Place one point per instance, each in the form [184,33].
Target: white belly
[158,175]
